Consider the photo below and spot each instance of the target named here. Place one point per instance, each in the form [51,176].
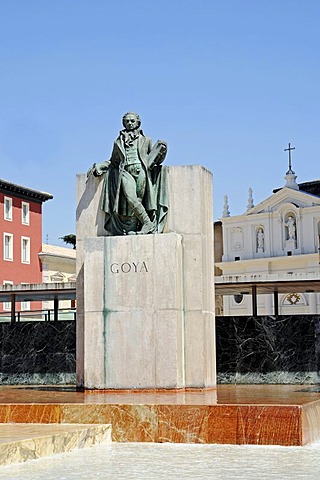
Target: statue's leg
[141,184]
[129,189]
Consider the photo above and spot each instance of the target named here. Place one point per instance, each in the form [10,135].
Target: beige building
[58,266]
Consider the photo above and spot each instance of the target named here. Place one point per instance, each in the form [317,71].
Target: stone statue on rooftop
[135,194]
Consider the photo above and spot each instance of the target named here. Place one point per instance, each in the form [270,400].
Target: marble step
[20,442]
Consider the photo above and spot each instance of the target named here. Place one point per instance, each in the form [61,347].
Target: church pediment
[283,197]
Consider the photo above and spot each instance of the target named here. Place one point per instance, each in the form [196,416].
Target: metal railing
[47,315]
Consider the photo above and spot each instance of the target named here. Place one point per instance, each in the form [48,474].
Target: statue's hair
[131,113]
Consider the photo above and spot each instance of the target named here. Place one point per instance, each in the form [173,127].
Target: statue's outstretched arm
[98,169]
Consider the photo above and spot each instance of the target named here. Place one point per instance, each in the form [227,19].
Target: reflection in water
[139,461]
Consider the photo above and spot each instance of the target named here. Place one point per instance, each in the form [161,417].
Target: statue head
[131,121]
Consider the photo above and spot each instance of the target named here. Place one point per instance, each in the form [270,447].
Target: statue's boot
[147,225]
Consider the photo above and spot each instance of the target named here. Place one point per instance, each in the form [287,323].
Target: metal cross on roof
[289,150]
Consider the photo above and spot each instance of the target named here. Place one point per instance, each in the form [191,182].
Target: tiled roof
[19,190]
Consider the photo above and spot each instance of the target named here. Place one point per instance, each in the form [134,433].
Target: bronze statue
[135,197]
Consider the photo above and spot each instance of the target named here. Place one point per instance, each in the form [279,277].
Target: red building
[20,237]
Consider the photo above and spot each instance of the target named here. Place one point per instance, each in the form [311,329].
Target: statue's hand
[98,169]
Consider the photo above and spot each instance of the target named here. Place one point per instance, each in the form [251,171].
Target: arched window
[292,299]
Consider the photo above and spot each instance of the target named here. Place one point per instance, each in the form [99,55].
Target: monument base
[145,303]
[138,332]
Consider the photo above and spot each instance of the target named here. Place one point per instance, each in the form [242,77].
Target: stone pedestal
[145,303]
[290,245]
[134,328]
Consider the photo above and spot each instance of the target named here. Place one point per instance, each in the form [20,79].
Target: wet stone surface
[173,461]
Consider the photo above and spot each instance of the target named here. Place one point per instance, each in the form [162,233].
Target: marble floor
[146,461]
[230,414]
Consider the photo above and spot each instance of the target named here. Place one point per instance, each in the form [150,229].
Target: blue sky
[227,83]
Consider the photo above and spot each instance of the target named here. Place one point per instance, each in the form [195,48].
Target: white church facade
[276,239]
